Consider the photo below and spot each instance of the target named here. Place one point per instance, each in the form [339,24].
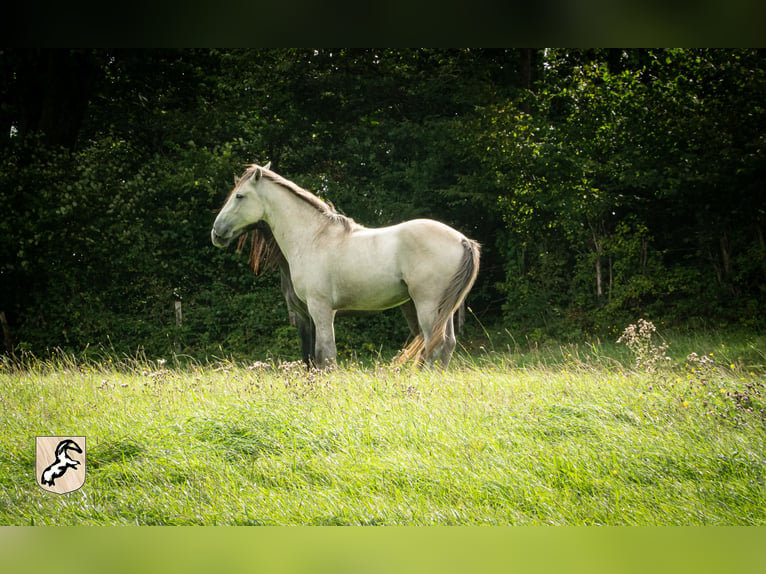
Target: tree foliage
[603,184]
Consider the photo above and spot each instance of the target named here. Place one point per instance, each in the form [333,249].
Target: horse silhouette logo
[60,463]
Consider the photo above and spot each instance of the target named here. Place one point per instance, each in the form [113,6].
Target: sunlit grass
[572,435]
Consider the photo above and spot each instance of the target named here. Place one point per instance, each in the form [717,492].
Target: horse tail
[452,298]
[456,293]
[414,350]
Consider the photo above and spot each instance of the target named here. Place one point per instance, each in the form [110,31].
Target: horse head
[243,208]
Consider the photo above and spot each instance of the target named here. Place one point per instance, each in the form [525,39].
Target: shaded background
[603,184]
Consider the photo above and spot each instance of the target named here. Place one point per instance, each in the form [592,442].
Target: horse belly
[373,292]
[369,284]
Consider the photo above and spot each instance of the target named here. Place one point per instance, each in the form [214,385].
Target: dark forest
[604,185]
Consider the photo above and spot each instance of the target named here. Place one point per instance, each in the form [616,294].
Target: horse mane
[264,251]
[265,254]
[321,206]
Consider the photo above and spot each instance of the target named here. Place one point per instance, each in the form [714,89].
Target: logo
[60,463]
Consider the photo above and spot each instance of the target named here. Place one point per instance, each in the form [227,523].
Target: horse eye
[239,196]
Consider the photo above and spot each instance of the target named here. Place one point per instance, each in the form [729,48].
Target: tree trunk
[725,255]
[527,63]
[611,280]
[762,246]
[599,279]
[644,254]
[599,249]
[7,338]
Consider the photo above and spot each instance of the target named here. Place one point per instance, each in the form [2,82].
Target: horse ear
[259,171]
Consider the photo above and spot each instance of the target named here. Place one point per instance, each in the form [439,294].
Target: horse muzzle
[219,240]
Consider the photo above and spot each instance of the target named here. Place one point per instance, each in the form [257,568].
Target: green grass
[566,435]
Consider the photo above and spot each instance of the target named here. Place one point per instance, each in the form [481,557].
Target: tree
[602,183]
[627,162]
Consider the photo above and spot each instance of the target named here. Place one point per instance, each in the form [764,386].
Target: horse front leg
[305,327]
[324,351]
[299,314]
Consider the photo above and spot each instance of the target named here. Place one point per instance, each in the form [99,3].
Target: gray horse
[338,265]
[265,253]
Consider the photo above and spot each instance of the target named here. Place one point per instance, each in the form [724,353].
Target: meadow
[628,434]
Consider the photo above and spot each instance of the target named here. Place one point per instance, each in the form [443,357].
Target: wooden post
[179,314]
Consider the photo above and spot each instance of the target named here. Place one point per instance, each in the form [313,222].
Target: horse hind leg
[411,316]
[439,327]
[441,353]
[449,344]
[439,342]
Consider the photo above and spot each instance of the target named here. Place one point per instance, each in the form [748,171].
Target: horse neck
[294,223]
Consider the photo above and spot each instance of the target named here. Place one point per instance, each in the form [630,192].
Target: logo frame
[60,463]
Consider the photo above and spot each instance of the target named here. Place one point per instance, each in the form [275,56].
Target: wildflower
[638,338]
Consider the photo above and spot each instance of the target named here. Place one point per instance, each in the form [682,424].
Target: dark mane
[264,251]
[321,206]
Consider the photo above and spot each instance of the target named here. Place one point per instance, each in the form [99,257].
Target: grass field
[566,435]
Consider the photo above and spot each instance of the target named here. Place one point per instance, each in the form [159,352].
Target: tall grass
[566,435]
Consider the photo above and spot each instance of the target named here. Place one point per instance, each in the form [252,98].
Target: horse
[265,254]
[335,264]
